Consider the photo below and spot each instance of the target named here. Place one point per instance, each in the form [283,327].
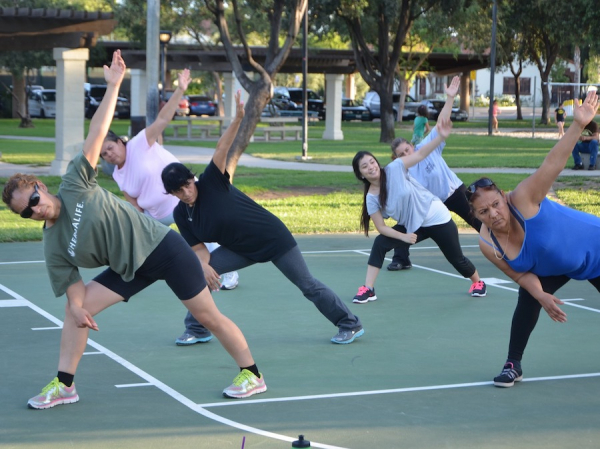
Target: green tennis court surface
[420,377]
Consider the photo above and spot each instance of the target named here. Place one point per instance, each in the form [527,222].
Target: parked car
[33,87]
[183,108]
[201,105]
[93,96]
[290,98]
[372,102]
[42,103]
[435,107]
[353,111]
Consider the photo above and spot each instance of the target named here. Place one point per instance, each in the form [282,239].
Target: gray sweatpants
[293,267]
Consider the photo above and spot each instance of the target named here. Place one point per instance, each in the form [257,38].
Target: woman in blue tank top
[525,235]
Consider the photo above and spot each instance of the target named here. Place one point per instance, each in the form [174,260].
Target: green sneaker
[55,393]
[245,385]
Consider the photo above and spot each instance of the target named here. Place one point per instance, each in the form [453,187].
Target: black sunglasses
[34,199]
[483,182]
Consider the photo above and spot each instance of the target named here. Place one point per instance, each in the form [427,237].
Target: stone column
[351,86]
[70,103]
[333,99]
[138,92]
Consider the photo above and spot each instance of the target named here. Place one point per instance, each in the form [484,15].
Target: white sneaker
[230,280]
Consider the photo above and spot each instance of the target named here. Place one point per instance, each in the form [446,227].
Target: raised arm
[451,92]
[531,191]
[444,126]
[224,143]
[168,110]
[103,116]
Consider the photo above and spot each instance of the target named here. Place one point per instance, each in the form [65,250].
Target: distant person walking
[559,118]
[495,112]
[421,125]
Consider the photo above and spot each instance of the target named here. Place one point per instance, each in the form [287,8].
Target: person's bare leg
[74,339]
[475,277]
[203,308]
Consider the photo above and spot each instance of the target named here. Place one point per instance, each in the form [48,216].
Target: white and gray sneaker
[230,280]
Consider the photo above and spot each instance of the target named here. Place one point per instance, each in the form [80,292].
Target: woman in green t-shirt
[86,226]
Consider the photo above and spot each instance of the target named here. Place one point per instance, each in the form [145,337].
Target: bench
[280,130]
[204,130]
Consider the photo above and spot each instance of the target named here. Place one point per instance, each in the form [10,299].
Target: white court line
[25,261]
[12,303]
[46,328]
[145,384]
[368,249]
[392,391]
[165,388]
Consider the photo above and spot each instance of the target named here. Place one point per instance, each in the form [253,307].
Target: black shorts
[172,261]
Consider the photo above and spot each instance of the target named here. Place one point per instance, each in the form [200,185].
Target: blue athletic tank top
[558,241]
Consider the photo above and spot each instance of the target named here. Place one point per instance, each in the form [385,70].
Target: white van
[42,103]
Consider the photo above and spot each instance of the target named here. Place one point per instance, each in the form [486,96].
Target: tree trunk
[518,97]
[545,120]
[402,100]
[388,122]
[19,97]
[257,100]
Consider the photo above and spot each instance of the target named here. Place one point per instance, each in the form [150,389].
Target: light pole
[164,37]
[492,65]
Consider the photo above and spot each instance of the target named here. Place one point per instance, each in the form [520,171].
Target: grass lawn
[314,202]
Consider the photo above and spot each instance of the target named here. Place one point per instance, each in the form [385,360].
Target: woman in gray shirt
[393,193]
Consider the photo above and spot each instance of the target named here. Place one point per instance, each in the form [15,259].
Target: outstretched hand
[115,73]
[550,304]
[185,79]
[452,90]
[239,105]
[585,113]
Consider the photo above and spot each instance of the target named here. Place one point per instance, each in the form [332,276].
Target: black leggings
[457,203]
[446,237]
[527,313]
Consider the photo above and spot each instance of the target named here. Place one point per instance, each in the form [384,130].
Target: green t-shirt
[419,126]
[94,229]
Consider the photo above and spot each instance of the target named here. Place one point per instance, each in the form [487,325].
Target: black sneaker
[578,167]
[592,167]
[364,295]
[509,375]
[397,266]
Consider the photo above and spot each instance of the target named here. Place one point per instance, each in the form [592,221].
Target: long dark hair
[364,215]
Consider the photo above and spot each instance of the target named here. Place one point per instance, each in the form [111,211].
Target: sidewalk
[201,155]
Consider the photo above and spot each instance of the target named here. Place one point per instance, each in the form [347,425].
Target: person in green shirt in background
[421,125]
